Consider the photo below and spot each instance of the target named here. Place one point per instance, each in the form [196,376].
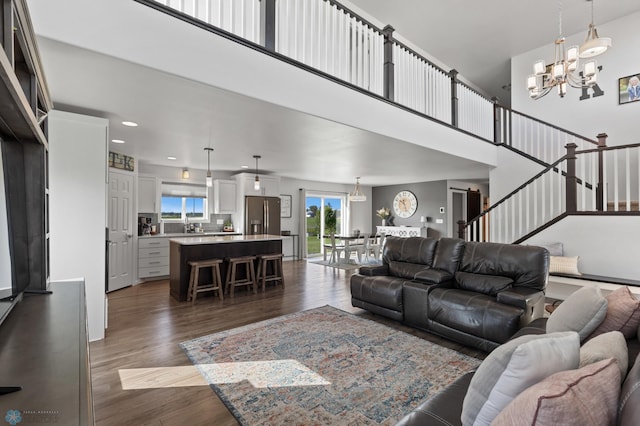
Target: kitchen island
[183,250]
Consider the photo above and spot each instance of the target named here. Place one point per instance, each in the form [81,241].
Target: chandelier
[357,195]
[565,68]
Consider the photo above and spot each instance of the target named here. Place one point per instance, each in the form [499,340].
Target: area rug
[323,366]
[343,266]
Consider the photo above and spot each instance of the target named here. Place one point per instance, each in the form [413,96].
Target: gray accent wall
[431,197]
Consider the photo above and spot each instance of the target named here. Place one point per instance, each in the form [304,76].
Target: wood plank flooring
[145,326]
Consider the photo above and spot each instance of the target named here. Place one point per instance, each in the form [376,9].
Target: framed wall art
[285,205]
[629,89]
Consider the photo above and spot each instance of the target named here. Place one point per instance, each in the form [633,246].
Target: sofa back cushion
[448,254]
[527,266]
[412,250]
[485,284]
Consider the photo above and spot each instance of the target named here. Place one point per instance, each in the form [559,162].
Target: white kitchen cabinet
[225,196]
[153,257]
[269,185]
[147,194]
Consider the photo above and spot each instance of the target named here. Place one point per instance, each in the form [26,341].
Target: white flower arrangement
[383,213]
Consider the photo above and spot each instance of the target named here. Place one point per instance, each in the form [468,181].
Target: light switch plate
[220,221]
[439,220]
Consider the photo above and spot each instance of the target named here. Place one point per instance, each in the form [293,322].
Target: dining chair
[372,249]
[360,245]
[336,249]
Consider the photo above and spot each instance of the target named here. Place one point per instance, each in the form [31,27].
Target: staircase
[580,176]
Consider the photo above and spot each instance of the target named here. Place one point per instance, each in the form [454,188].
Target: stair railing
[604,181]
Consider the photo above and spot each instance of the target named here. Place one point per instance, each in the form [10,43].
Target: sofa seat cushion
[406,270]
[485,284]
[384,291]
[474,313]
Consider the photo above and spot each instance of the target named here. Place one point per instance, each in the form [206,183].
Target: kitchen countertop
[188,235]
[191,241]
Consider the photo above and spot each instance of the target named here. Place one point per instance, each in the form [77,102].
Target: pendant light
[209,178]
[256,182]
[594,45]
[357,195]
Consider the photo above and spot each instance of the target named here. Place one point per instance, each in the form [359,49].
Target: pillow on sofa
[554,248]
[568,397]
[623,314]
[564,265]
[513,367]
[607,345]
[582,312]
[485,284]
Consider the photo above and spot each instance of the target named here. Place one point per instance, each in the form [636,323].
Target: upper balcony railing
[328,37]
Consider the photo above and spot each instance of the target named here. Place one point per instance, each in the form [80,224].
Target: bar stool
[232,273]
[194,280]
[276,268]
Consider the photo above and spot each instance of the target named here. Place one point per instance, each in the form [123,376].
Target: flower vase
[384,222]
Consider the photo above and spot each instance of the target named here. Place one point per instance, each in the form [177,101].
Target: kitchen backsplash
[212,226]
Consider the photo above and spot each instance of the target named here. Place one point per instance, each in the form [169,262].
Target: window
[180,202]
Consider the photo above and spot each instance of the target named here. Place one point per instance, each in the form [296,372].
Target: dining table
[350,242]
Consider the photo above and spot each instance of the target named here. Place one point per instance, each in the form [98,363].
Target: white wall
[77,207]
[513,170]
[595,115]
[607,245]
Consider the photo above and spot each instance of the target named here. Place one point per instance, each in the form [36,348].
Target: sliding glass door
[325,214]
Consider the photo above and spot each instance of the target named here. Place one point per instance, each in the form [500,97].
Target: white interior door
[120,230]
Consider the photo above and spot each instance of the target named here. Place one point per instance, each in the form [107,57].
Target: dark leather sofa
[479,294]
[445,408]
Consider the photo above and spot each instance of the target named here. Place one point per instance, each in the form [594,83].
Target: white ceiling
[175,113]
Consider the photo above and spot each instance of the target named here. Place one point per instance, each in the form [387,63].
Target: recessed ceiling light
[130,123]
[171,158]
[117,141]
[244,167]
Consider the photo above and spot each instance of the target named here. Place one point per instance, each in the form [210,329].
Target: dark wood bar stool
[276,269]
[249,277]
[194,281]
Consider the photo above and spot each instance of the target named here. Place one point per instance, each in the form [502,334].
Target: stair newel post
[571,179]
[388,68]
[268,24]
[453,74]
[497,121]
[461,229]
[602,144]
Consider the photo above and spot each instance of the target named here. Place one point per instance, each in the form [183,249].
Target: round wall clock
[405,204]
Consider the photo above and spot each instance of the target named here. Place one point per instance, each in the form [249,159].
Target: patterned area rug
[323,366]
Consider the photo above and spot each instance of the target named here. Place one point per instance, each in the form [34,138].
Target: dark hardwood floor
[145,326]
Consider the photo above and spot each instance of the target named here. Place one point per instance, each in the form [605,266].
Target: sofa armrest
[433,276]
[375,270]
[530,300]
[444,408]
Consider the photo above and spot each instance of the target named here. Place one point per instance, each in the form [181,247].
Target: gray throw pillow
[513,367]
[606,345]
[582,312]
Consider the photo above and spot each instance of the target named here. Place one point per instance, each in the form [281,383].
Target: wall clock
[405,204]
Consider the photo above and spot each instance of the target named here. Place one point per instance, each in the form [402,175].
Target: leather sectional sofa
[479,294]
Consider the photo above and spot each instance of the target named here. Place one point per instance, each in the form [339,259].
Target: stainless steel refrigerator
[262,215]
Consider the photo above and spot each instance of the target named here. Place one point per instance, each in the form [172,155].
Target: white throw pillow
[583,311]
[564,265]
[513,367]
